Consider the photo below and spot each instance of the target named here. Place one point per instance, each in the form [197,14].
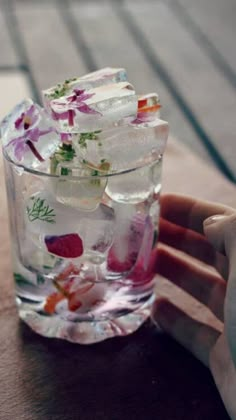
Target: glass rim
[67,177]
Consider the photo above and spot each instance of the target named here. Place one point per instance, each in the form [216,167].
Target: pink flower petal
[33,135]
[85,96]
[19,151]
[79,91]
[71,114]
[18,122]
[60,116]
[66,138]
[142,117]
[87,109]
[42,133]
[33,114]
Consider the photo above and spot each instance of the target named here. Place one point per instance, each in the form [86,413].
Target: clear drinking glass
[82,272]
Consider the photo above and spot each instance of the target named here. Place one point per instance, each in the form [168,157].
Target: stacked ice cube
[89,126]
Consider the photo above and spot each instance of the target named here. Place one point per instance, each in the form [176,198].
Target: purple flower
[79,96]
[76,101]
[27,119]
[66,138]
[23,143]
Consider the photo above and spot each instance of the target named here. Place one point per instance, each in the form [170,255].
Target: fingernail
[213,219]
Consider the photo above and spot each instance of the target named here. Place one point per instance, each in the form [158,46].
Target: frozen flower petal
[94,109]
[87,109]
[28,135]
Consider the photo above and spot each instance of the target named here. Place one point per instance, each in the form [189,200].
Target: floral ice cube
[124,147]
[105,76]
[50,224]
[45,216]
[28,135]
[89,81]
[132,245]
[148,107]
[8,120]
[149,102]
[90,110]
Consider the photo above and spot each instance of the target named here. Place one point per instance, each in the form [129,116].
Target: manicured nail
[213,219]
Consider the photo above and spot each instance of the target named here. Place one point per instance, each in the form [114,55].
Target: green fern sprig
[40,211]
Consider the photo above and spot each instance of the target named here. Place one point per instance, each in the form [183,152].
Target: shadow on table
[143,376]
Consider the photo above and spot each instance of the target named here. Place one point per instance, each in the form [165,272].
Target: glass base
[86,332]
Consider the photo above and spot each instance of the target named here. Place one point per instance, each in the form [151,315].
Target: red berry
[65,246]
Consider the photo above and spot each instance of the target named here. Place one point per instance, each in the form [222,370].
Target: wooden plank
[51,52]
[216,19]
[8,56]
[112,45]
[203,87]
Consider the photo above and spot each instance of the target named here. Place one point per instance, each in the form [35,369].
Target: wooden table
[177,47]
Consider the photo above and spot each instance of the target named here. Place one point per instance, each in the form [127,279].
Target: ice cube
[149,103]
[98,236]
[124,216]
[97,230]
[56,228]
[131,187]
[128,239]
[79,297]
[28,135]
[139,186]
[146,243]
[36,258]
[89,81]
[89,300]
[89,110]
[44,215]
[125,147]
[105,76]
[65,153]
[8,120]
[79,187]
[148,108]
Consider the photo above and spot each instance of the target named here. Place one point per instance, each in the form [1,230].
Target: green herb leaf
[40,211]
[20,280]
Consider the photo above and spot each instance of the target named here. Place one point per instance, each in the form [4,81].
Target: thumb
[220,230]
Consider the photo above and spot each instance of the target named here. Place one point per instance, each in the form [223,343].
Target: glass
[81,248]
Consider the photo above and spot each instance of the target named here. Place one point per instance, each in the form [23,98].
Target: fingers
[192,243]
[205,285]
[196,337]
[222,233]
[188,212]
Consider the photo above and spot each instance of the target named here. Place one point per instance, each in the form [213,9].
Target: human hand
[207,232]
